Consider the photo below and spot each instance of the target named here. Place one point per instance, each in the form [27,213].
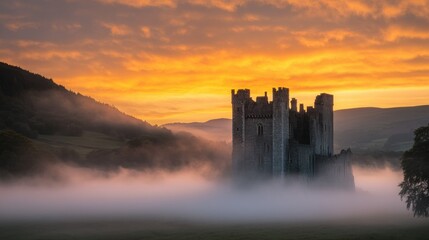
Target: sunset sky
[177,60]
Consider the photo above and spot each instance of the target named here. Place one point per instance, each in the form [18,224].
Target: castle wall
[239,101]
[302,159]
[335,170]
[258,148]
[299,127]
[321,125]
[272,140]
[280,131]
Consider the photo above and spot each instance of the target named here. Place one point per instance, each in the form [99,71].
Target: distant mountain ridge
[215,129]
[387,129]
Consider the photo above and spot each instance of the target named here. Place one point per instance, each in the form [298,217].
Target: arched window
[260,130]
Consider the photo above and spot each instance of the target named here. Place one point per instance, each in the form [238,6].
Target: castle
[275,140]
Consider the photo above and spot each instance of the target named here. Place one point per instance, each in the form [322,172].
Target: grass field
[139,229]
[84,144]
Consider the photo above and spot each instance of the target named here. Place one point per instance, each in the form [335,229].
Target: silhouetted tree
[415,164]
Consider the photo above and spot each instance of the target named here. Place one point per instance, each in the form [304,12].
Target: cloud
[226,5]
[393,33]
[320,39]
[146,32]
[117,29]
[419,60]
[143,3]
[52,55]
[180,48]
[16,26]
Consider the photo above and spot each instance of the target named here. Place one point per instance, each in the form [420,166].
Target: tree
[415,165]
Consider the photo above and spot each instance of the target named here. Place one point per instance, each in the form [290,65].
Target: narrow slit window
[260,129]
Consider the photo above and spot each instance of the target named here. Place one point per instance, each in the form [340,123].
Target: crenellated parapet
[241,96]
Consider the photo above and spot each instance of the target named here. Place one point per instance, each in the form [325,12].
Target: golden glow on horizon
[178,60]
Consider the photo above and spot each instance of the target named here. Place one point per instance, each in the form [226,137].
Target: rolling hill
[362,129]
[43,118]
[47,124]
[215,130]
[31,105]
[389,129]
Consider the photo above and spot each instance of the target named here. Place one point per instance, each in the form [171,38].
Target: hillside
[39,116]
[362,129]
[215,130]
[50,124]
[31,105]
[389,129]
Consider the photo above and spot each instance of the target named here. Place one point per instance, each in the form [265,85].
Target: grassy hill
[389,129]
[31,105]
[362,129]
[65,126]
[70,127]
[216,129]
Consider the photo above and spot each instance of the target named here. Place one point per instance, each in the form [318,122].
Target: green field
[84,144]
[139,229]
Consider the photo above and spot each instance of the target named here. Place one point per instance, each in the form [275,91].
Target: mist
[148,172]
[46,124]
[189,195]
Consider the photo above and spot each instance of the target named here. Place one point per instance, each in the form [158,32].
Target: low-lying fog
[189,196]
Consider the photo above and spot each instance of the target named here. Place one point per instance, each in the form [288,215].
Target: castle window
[238,109]
[238,129]
[260,129]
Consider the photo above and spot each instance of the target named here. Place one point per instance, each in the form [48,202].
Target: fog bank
[187,195]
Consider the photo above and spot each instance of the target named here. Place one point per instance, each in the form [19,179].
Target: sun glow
[177,60]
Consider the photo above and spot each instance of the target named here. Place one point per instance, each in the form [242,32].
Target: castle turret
[280,130]
[301,108]
[293,105]
[272,139]
[322,125]
[238,101]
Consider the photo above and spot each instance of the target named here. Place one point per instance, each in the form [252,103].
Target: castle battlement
[273,138]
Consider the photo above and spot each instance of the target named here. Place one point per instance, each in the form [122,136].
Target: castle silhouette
[272,139]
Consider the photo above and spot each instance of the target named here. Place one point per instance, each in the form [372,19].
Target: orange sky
[168,61]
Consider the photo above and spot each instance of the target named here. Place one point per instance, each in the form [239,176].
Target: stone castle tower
[273,138]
